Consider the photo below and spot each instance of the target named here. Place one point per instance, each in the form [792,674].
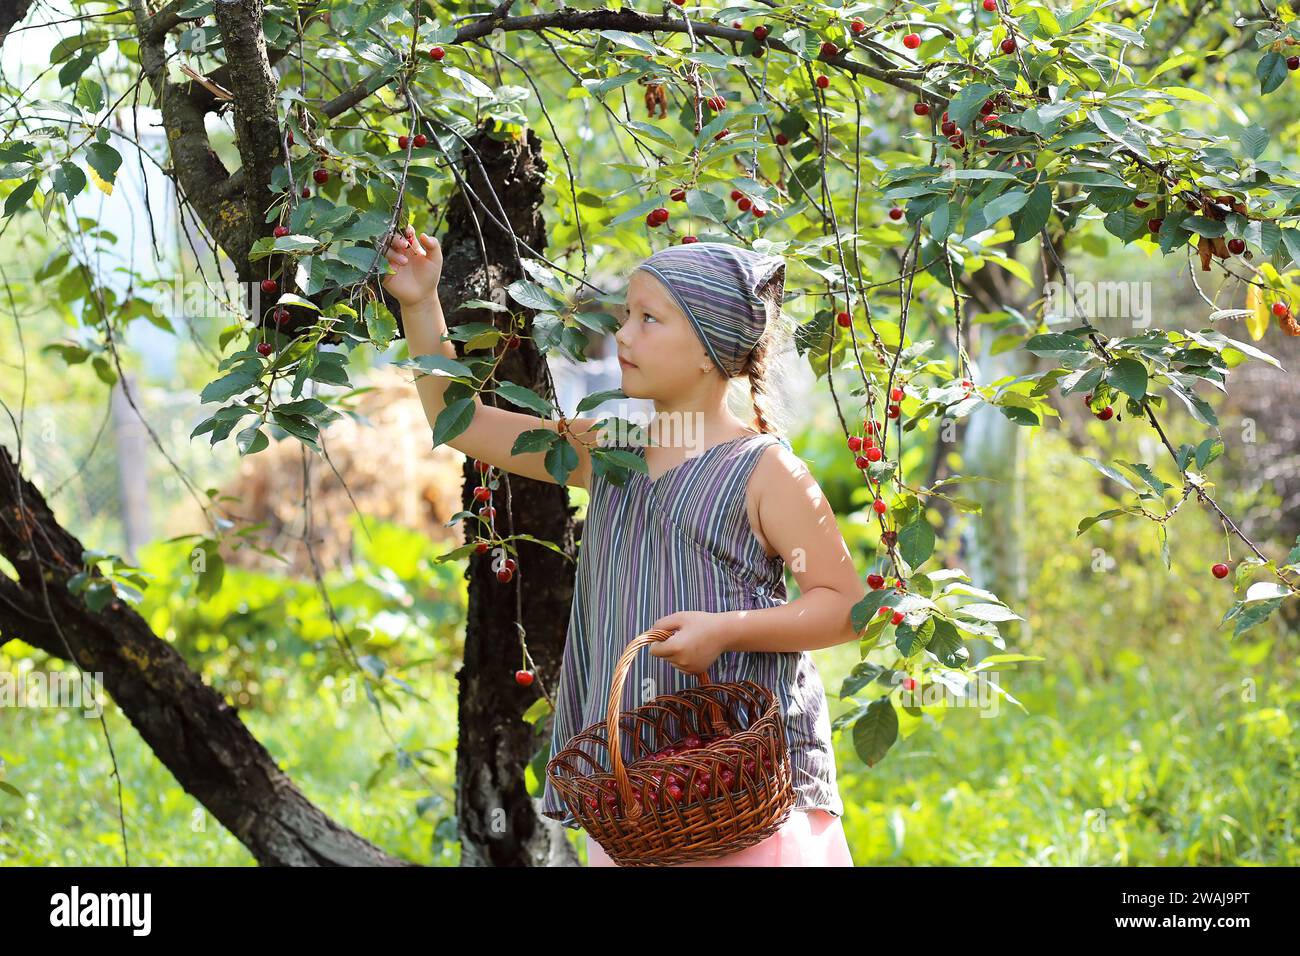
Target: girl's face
[658,340]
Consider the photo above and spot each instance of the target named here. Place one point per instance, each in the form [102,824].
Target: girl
[698,545]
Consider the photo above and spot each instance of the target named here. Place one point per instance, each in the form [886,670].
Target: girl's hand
[417,266]
[700,636]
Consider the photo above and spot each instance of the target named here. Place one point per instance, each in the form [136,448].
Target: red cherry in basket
[693,741]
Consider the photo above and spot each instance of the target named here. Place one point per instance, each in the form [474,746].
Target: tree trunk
[498,819]
[190,727]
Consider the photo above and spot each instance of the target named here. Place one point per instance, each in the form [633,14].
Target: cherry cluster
[678,782]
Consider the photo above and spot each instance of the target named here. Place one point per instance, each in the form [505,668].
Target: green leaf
[532,296]
[524,398]
[916,542]
[1021,416]
[866,609]
[966,104]
[1130,377]
[18,198]
[436,363]
[251,440]
[1057,346]
[875,731]
[561,460]
[1198,406]
[1030,219]
[534,440]
[69,179]
[1272,71]
[453,420]
[1110,473]
[240,379]
[1005,205]
[911,640]
[104,160]
[988,612]
[1088,522]
[1146,474]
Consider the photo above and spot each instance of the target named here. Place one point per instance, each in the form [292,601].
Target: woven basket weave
[734,789]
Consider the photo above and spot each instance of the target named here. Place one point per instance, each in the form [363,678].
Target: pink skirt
[807,838]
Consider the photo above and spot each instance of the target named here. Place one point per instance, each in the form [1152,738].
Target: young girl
[699,545]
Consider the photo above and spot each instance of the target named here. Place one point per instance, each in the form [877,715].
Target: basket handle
[615,698]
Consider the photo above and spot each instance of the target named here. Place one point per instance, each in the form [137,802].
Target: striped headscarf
[717,286]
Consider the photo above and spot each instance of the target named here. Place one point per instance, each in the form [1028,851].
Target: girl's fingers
[428,241]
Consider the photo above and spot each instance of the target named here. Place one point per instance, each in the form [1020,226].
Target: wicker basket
[734,787]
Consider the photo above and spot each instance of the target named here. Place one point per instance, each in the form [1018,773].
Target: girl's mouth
[624,363]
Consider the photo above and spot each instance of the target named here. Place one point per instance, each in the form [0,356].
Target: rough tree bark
[188,725]
[498,820]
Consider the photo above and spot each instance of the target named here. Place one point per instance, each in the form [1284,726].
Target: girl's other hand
[417,266]
[698,638]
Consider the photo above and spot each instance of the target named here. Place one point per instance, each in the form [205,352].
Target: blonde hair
[758,369]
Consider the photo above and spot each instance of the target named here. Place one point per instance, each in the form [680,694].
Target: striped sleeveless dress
[682,542]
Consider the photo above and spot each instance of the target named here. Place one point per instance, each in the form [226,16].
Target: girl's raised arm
[417,265]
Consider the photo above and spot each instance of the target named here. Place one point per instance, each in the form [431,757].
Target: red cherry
[875,581]
[482,494]
[743,202]
[321,175]
[1220,570]
[1281,310]
[403,141]
[306,192]
[720,134]
[1236,246]
[510,563]
[948,128]
[782,139]
[897,618]
[290,137]
[861,462]
[966,383]
[879,506]
[1141,203]
[874,453]
[882,612]
[269,286]
[488,512]
[1008,45]
[921,109]
[909,683]
[481,465]
[1154,224]
[736,194]
[760,211]
[281,316]
[280,231]
[896,213]
[990,5]
[1106,413]
[689,239]
[420,140]
[523,678]
[437,53]
[896,393]
[504,575]
[912,41]
[857,26]
[678,195]
[481,547]
[829,50]
[760,32]
[844,319]
[264,348]
[854,443]
[1293,63]
[823,81]
[893,411]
